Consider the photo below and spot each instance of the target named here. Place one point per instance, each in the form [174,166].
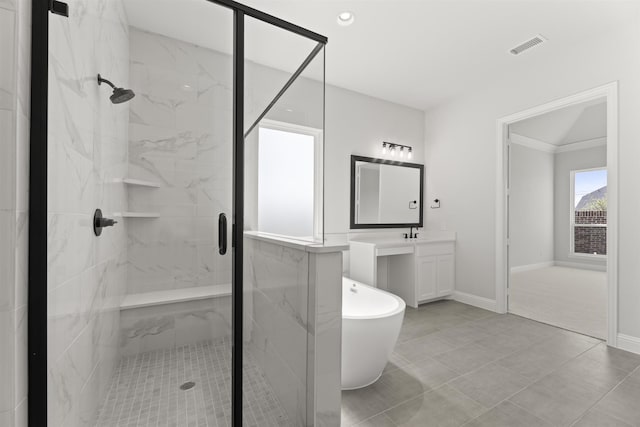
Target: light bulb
[384,148]
[393,151]
[410,154]
[401,151]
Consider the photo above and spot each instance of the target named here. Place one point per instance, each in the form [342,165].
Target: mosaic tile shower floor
[145,390]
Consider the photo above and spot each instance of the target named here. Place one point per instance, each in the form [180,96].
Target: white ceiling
[416,53]
[581,122]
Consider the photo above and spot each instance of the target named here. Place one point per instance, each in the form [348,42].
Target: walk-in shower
[153,321]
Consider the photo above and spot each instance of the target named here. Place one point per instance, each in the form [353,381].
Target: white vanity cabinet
[416,270]
[435,270]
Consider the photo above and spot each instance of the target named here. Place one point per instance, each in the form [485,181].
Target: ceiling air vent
[538,39]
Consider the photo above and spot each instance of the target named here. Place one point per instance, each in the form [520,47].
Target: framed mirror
[386,193]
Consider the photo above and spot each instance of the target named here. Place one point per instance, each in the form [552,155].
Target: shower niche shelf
[141,183]
[138,214]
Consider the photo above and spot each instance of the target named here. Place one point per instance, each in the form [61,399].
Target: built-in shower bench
[173,318]
[149,299]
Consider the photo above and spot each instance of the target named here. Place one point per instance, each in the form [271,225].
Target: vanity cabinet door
[446,274]
[427,277]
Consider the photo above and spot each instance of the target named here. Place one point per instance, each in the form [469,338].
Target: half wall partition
[191,302]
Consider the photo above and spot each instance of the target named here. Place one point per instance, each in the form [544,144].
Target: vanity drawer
[427,249]
[400,250]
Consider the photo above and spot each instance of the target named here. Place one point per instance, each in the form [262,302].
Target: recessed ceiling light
[346,18]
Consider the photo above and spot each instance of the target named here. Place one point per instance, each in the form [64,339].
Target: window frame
[318,170]
[572,217]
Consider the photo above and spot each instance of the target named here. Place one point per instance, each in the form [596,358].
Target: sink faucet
[411,234]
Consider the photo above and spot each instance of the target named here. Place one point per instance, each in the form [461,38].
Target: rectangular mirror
[386,193]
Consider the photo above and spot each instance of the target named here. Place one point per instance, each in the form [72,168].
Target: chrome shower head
[120,94]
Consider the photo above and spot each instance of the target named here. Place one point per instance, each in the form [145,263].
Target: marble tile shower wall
[88,138]
[180,137]
[276,319]
[293,324]
[15,49]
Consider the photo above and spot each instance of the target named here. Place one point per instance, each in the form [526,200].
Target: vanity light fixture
[346,18]
[393,149]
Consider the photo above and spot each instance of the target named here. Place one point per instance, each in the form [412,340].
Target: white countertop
[424,238]
[300,244]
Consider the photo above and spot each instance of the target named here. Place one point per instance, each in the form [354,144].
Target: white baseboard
[629,343]
[530,267]
[567,264]
[476,301]
[581,266]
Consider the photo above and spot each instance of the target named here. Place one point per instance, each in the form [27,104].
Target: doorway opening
[557,213]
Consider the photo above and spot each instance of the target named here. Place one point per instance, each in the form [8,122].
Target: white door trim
[610,92]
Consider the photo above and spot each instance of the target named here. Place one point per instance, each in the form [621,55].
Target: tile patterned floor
[458,365]
[145,390]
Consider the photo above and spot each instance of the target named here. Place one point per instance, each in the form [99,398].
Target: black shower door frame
[37,256]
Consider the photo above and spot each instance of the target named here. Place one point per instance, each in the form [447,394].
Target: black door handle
[222,234]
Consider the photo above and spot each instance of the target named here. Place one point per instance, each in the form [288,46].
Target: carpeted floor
[570,298]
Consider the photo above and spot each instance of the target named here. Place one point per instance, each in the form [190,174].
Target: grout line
[532,383]
[152,379]
[536,342]
[637,369]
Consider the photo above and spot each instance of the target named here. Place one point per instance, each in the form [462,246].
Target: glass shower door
[139,316]
[146,288]
[283,151]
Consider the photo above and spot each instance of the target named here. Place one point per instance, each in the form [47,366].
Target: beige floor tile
[508,415]
[464,361]
[444,407]
[595,418]
[559,403]
[490,384]
[378,421]
[624,401]
[467,358]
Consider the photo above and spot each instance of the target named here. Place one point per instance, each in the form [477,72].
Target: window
[290,180]
[588,216]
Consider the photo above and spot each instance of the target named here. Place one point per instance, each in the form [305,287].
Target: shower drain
[188,385]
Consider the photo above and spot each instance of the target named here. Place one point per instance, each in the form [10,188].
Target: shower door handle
[222,234]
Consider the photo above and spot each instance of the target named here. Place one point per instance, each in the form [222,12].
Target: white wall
[461,154]
[531,207]
[565,163]
[354,124]
[357,124]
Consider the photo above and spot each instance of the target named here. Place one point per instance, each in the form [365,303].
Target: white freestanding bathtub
[371,322]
